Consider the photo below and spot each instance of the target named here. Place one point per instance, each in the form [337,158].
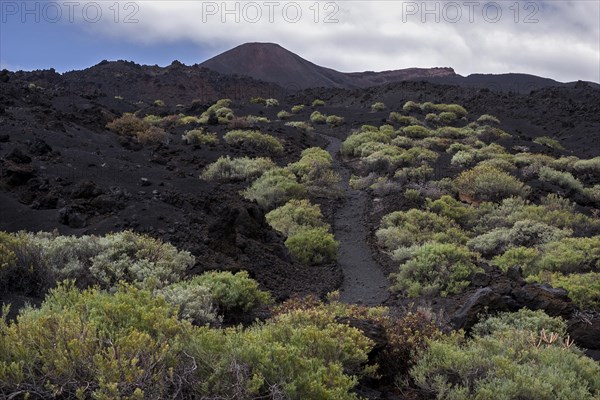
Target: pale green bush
[378,106]
[508,364]
[563,179]
[334,121]
[199,137]
[487,118]
[485,183]
[193,300]
[318,103]
[297,108]
[436,269]
[317,118]
[313,246]
[304,126]
[232,292]
[254,140]
[402,119]
[548,142]
[274,188]
[233,169]
[294,216]
[271,103]
[283,115]
[526,233]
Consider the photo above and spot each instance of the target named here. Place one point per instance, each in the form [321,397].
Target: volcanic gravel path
[364,281]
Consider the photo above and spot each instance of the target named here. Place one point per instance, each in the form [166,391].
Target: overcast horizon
[558,39]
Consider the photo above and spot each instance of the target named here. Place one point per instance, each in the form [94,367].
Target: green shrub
[302,354]
[152,119]
[194,301]
[591,166]
[487,118]
[283,115]
[485,183]
[294,216]
[254,140]
[402,119]
[563,179]
[232,292]
[334,121]
[317,118]
[131,257]
[304,126]
[593,193]
[313,246]
[254,119]
[523,257]
[297,108]
[553,211]
[352,146]
[580,254]
[199,137]
[548,142]
[40,260]
[447,117]
[379,106]
[506,365]
[416,131]
[526,233]
[415,227]
[568,255]
[410,106]
[584,289]
[271,103]
[523,320]
[318,103]
[454,108]
[432,119]
[414,174]
[222,104]
[274,188]
[94,344]
[258,100]
[436,269]
[314,169]
[233,169]
[412,195]
[130,345]
[191,119]
[449,207]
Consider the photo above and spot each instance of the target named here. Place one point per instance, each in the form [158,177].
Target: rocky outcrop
[511,292]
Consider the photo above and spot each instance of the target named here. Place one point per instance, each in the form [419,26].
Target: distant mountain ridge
[270,62]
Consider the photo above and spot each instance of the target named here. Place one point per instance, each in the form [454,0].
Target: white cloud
[381,35]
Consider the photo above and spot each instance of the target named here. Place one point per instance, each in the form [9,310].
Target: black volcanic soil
[364,280]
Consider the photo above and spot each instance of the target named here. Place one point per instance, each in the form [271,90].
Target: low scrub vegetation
[199,137]
[486,183]
[513,361]
[237,169]
[131,126]
[274,188]
[436,269]
[254,140]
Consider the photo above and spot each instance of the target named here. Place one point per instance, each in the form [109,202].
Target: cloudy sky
[556,39]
